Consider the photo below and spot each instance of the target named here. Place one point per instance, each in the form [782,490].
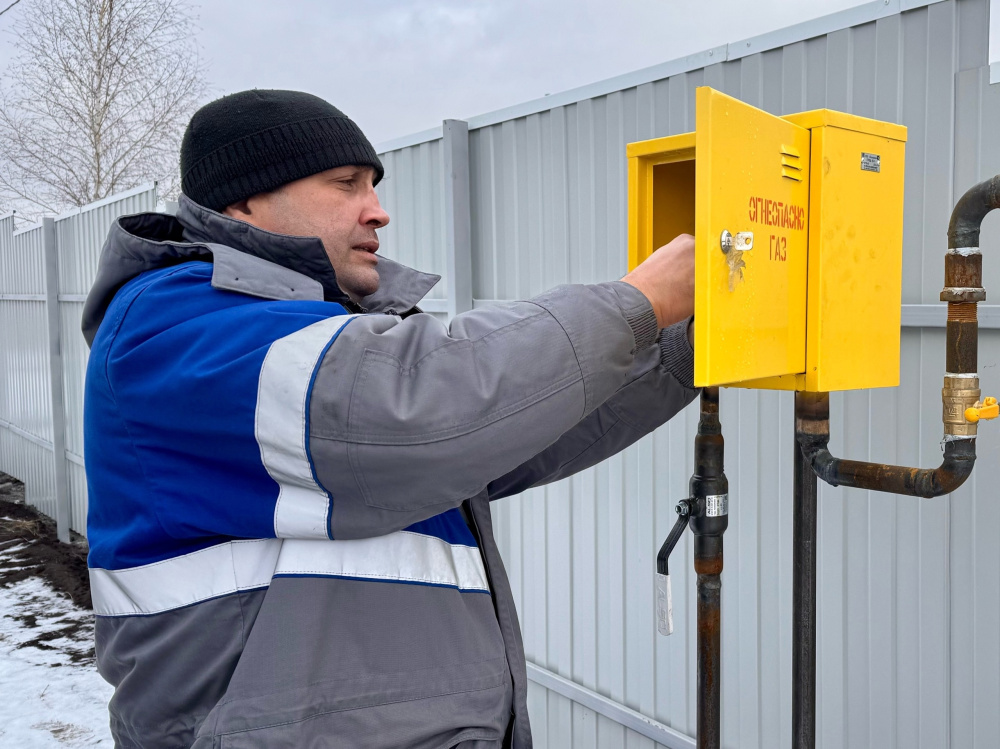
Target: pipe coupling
[963,294]
[958,394]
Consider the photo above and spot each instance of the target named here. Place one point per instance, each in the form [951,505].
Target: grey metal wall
[414,187]
[28,427]
[25,394]
[909,607]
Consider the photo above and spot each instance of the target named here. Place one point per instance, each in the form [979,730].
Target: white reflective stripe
[280,428]
[220,570]
[216,571]
[398,557]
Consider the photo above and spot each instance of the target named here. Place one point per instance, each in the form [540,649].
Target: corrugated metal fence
[909,599]
[45,273]
[514,202]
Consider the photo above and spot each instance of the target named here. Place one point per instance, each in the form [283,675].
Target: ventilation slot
[790,164]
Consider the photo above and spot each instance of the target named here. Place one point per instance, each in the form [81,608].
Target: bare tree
[96,100]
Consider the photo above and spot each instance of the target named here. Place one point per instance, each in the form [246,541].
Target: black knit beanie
[256,141]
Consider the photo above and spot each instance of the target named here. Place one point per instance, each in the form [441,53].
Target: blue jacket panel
[171,395]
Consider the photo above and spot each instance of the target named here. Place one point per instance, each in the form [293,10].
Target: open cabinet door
[752,181]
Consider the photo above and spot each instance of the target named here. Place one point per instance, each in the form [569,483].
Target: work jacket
[289,524]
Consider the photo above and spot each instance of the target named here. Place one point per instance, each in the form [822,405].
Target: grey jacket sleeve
[407,418]
[659,385]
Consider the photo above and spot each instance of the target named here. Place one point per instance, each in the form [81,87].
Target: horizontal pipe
[812,431]
[959,459]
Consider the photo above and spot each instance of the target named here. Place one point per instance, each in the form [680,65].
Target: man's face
[340,207]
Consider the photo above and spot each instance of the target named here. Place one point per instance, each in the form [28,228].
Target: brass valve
[987,409]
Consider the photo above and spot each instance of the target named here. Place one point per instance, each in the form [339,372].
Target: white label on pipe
[716,505]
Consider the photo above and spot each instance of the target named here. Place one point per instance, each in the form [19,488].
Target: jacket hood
[246,259]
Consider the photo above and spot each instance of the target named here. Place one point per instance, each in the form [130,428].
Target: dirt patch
[29,547]
[65,733]
[33,561]
[11,489]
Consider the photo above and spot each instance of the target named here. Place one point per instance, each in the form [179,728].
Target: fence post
[51,249]
[458,216]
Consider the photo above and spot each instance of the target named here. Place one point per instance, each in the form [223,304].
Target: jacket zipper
[477,534]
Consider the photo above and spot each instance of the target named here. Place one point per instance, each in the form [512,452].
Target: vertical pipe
[708,565]
[804,492]
[710,490]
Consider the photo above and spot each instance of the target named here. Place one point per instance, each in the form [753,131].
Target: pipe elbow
[959,460]
[966,218]
[823,463]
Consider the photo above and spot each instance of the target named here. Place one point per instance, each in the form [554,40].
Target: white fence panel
[25,394]
[28,427]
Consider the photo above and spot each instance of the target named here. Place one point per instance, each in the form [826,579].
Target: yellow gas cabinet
[798,224]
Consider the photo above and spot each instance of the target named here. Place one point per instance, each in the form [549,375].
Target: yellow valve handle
[988,409]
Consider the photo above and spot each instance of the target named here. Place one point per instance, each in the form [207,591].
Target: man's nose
[374,215]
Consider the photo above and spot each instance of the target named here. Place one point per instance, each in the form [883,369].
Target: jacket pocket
[357,663]
[473,718]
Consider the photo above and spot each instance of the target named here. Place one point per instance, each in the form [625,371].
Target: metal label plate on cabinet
[871,162]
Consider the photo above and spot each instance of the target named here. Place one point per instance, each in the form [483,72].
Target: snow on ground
[52,695]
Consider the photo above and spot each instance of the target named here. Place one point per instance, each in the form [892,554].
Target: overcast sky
[398,66]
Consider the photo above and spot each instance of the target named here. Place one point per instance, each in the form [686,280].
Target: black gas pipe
[706,512]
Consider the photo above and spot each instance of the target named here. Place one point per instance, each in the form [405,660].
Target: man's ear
[239,209]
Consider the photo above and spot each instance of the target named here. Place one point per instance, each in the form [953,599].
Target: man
[290,467]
